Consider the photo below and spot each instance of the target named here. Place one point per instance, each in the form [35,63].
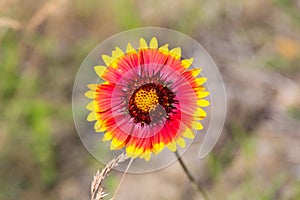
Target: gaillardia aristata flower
[151,98]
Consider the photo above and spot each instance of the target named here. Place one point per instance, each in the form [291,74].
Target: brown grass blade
[48,9]
[97,191]
[6,22]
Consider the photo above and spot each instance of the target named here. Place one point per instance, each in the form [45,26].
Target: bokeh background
[256,45]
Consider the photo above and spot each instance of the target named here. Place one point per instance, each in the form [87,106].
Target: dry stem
[97,192]
[191,177]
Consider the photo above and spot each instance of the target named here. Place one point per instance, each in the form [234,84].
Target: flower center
[151,103]
[146,100]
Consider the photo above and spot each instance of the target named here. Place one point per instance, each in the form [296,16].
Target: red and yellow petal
[105,109]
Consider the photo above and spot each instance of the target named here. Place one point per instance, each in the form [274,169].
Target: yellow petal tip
[172,146]
[91,106]
[107,60]
[143,44]
[147,156]
[176,52]
[92,86]
[188,133]
[200,81]
[153,43]
[129,48]
[180,142]
[91,117]
[158,147]
[186,63]
[203,103]
[90,94]
[116,144]
[99,70]
[197,125]
[164,48]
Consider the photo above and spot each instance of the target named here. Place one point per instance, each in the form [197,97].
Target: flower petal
[92,86]
[124,74]
[117,53]
[130,49]
[180,142]
[92,117]
[202,94]
[200,81]
[186,63]
[153,43]
[107,60]
[158,147]
[107,136]
[97,125]
[143,44]
[172,146]
[203,102]
[164,48]
[197,125]
[176,52]
[188,133]
[99,70]
[133,151]
[146,155]
[195,72]
[200,113]
[90,94]
[116,144]
[91,105]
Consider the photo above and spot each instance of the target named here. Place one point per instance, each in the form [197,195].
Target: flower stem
[122,179]
[191,177]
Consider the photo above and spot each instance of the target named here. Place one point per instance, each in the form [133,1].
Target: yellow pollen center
[146,100]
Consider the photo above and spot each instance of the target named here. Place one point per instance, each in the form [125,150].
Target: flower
[150,99]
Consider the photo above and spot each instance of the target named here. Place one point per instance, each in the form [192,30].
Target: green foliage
[9,60]
[249,189]
[111,183]
[125,14]
[240,140]
[284,2]
[294,112]
[281,64]
[290,8]
[84,9]
[30,143]
[297,191]
[214,166]
[277,63]
[272,191]
[196,15]
[42,142]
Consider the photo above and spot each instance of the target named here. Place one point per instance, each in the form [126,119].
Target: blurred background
[256,45]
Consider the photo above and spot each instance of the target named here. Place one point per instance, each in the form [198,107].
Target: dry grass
[97,191]
[43,13]
[6,22]
[6,3]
